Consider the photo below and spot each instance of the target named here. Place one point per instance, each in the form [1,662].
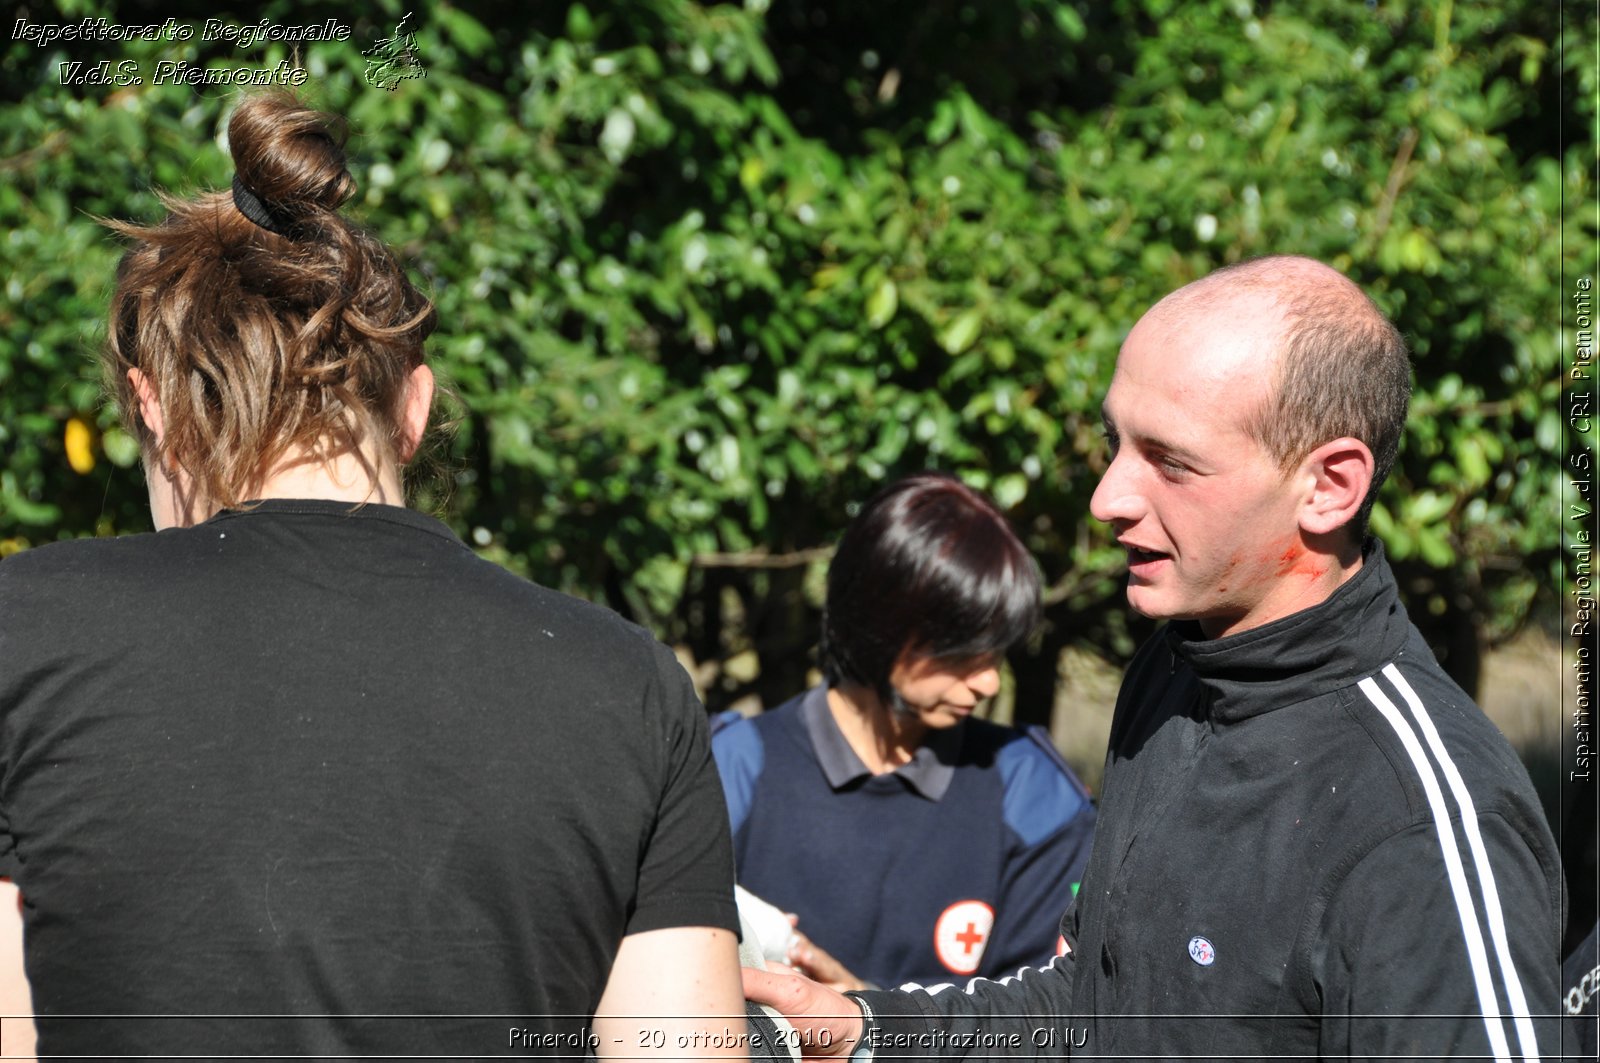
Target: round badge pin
[961,934]
[1202,951]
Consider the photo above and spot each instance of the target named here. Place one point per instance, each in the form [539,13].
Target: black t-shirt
[323,763]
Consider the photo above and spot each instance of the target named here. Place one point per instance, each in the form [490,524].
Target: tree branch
[762,559]
[1397,177]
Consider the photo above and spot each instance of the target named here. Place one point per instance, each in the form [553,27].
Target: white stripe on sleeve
[1481,979]
[1480,857]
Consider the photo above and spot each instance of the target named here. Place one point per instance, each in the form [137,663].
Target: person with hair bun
[299,774]
[912,841]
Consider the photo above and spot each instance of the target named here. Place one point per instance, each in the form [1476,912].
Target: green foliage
[708,273]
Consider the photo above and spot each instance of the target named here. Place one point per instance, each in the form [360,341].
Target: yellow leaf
[751,171]
[80,446]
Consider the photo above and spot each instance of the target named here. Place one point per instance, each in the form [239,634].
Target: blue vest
[897,883]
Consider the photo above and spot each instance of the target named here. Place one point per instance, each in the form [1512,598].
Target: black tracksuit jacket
[1311,844]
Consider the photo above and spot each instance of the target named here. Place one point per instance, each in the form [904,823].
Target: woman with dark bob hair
[912,841]
[300,774]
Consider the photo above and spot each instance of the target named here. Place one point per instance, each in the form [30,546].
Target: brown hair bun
[290,156]
[258,348]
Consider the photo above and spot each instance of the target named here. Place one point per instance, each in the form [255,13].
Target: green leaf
[1010,489]
[617,135]
[120,448]
[580,24]
[1427,508]
[959,334]
[1434,548]
[466,32]
[882,303]
[1472,462]
[434,156]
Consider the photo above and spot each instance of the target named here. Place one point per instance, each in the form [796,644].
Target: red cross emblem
[961,934]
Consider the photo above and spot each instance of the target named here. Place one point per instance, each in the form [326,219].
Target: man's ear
[414,414]
[149,405]
[1340,472]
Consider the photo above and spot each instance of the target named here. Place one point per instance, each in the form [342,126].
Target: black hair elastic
[255,208]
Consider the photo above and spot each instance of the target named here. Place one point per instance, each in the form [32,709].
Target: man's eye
[1172,467]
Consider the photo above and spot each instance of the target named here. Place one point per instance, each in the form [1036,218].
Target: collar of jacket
[1350,634]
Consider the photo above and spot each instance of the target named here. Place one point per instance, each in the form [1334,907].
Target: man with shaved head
[1312,844]
[1232,392]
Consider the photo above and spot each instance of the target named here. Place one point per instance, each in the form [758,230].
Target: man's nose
[1116,498]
